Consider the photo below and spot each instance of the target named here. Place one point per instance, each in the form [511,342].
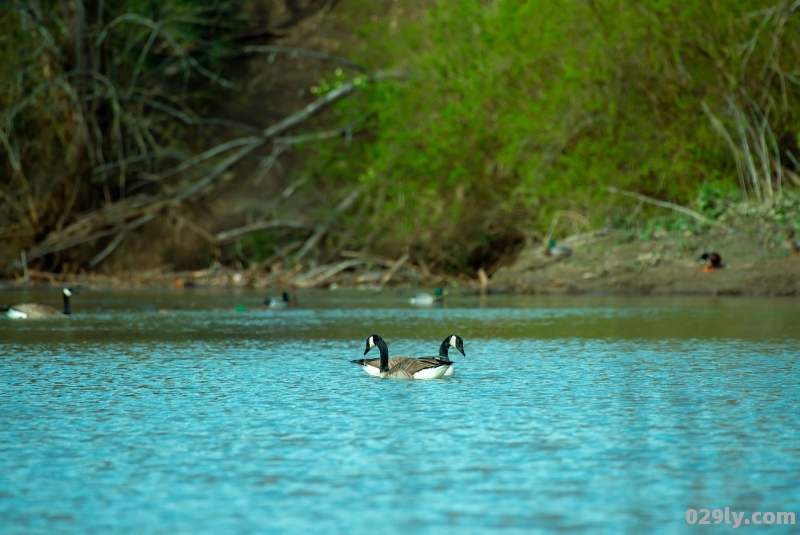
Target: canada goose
[794,242]
[556,250]
[401,367]
[710,261]
[372,366]
[451,341]
[275,303]
[32,311]
[425,299]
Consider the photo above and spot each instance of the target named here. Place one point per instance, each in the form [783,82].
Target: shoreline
[606,262]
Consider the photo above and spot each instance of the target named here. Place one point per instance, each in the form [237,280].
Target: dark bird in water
[710,261]
[276,303]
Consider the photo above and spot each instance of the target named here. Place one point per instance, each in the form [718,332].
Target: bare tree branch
[279,49]
[230,235]
[671,206]
[323,229]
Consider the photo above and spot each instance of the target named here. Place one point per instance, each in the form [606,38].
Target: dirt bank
[757,263]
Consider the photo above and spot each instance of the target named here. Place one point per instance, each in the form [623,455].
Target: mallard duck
[372,366]
[278,303]
[794,242]
[401,367]
[710,261]
[425,299]
[32,311]
[556,250]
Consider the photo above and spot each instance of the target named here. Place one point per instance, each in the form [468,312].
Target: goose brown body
[401,367]
[372,366]
[32,311]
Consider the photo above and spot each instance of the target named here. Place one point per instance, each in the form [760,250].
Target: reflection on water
[595,414]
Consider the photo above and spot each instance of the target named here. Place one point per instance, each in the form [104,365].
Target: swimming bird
[710,261]
[401,367]
[425,299]
[794,242]
[32,311]
[276,303]
[372,366]
[556,250]
[451,341]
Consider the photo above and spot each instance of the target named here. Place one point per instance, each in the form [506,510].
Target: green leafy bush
[515,110]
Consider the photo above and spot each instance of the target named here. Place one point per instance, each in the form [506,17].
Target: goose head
[455,341]
[372,341]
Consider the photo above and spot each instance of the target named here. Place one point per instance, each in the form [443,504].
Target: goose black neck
[67,310]
[384,349]
[444,350]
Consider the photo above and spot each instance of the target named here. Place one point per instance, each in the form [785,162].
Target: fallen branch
[284,125]
[327,271]
[275,49]
[108,249]
[395,268]
[323,229]
[671,206]
[120,216]
[230,235]
[118,238]
[356,254]
[194,227]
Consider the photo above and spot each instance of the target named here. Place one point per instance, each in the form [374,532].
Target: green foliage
[515,110]
[258,245]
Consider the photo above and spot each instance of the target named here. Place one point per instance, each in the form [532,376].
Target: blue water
[604,416]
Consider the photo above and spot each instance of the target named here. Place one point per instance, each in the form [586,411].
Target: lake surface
[569,414]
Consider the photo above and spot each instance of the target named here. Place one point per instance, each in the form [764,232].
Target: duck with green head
[426,299]
[556,250]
